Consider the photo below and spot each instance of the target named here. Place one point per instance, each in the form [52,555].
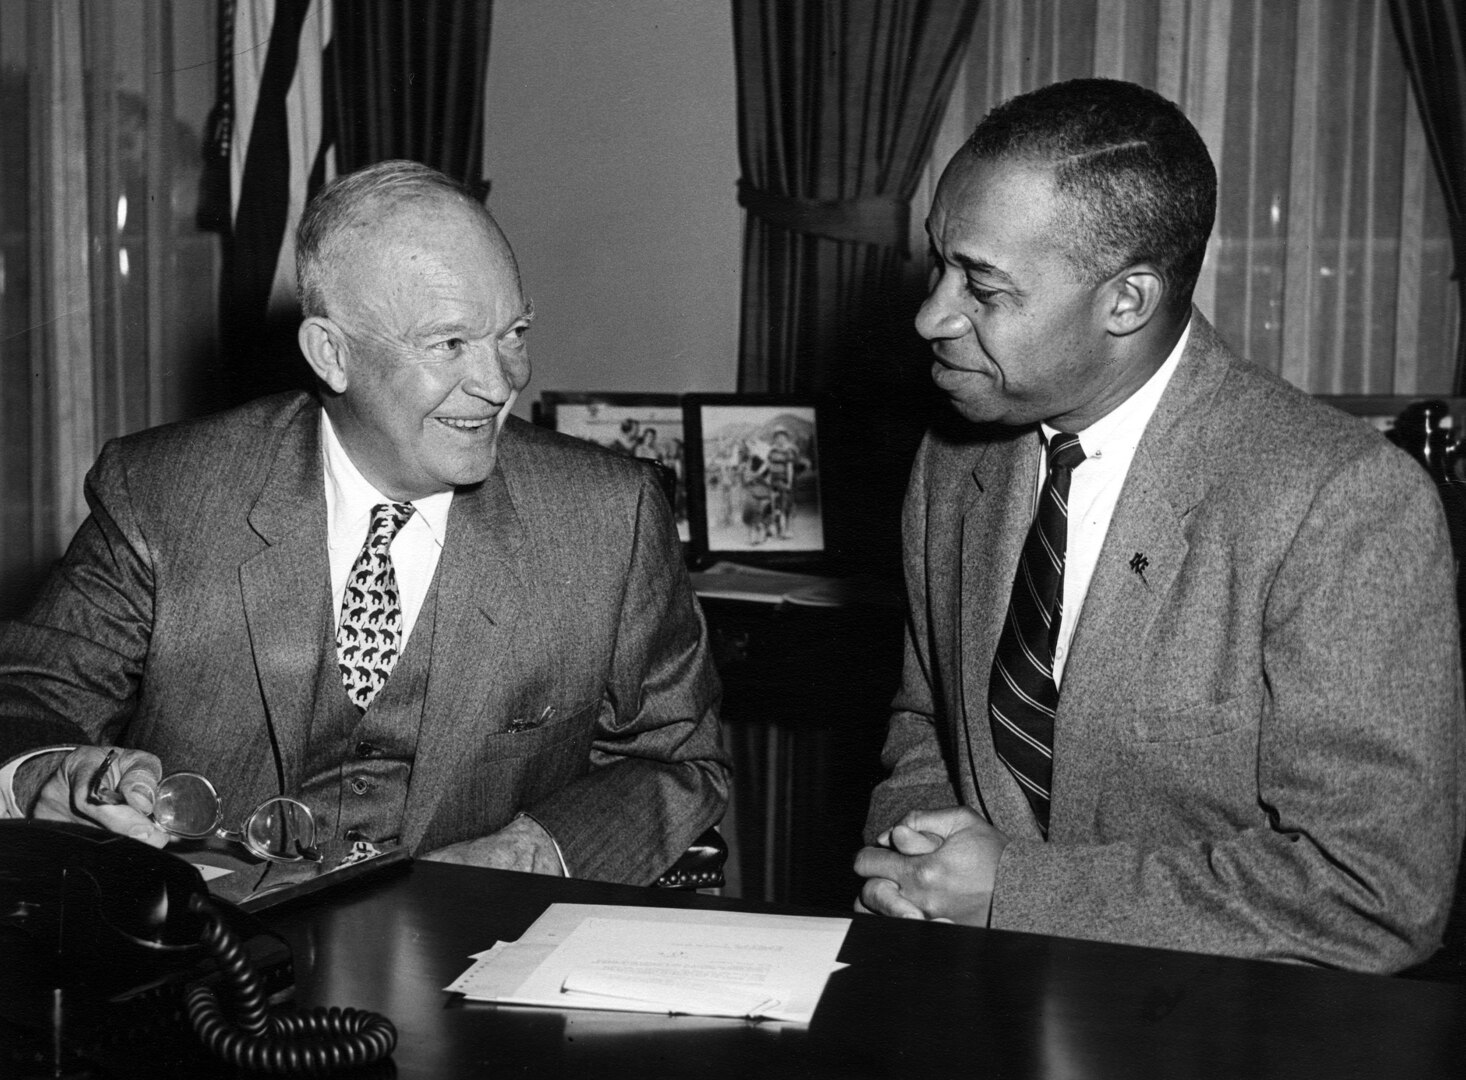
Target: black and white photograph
[757,474]
[762,538]
[647,426]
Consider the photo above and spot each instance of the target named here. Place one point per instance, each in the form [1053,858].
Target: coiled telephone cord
[313,1043]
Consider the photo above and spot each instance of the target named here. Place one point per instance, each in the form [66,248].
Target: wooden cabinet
[806,694]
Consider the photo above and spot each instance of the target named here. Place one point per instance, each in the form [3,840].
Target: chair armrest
[701,865]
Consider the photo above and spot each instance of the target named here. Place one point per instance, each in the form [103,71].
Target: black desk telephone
[105,942]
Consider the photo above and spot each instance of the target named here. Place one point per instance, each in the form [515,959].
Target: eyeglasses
[186,805]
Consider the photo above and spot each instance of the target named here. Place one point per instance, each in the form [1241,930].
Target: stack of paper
[664,960]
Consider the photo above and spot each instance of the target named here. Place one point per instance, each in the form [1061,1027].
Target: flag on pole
[279,153]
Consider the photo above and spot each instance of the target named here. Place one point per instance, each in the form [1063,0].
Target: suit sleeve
[70,669]
[918,777]
[1351,857]
[659,774]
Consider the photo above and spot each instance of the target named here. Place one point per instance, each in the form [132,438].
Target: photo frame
[754,479]
[647,426]
[1382,410]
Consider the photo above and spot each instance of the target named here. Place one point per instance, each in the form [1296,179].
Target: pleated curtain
[1433,40]
[408,82]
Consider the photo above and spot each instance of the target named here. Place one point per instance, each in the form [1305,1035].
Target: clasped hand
[933,864]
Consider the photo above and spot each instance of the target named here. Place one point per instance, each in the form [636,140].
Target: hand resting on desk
[521,845]
[56,787]
[933,864]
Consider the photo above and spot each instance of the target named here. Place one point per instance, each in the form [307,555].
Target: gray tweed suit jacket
[1259,747]
[570,676]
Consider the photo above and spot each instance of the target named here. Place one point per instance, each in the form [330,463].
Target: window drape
[106,321]
[1432,37]
[1331,258]
[408,82]
[838,103]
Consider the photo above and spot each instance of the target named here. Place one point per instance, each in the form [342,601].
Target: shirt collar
[351,496]
[1121,428]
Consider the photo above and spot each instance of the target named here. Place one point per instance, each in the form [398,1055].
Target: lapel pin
[1138,563]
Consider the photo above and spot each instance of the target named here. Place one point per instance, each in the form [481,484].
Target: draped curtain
[838,103]
[1331,258]
[408,82]
[105,282]
[1432,37]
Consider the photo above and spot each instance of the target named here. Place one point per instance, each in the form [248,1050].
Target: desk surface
[918,999]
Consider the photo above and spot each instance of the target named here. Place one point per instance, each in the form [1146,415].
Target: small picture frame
[647,426]
[754,479]
[1382,410]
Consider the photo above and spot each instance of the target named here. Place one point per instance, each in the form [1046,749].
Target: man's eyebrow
[981,267]
[528,313]
[968,263]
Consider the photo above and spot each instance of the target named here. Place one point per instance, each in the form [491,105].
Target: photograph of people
[761,478]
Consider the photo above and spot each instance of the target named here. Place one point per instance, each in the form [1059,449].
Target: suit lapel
[283,586]
[1142,556]
[995,523]
[480,595]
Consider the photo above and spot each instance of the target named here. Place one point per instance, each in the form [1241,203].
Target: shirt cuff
[9,808]
[564,870]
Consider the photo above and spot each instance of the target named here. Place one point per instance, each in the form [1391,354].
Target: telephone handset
[108,923]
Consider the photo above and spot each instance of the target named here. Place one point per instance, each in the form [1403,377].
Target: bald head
[362,205]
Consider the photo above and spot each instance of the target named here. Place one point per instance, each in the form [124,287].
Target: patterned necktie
[369,636]
[1022,694]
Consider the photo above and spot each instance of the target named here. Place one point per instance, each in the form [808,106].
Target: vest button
[366,750]
[353,835]
[359,785]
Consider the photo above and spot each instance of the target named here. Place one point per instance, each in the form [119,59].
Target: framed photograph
[1382,410]
[753,478]
[645,426]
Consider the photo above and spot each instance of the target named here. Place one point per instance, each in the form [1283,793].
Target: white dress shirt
[415,550]
[1094,489]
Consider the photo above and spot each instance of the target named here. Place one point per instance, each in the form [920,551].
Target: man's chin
[979,410]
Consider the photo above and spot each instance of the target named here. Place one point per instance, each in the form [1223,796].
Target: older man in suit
[437,626]
[1182,668]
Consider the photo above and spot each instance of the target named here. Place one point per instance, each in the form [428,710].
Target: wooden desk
[919,999]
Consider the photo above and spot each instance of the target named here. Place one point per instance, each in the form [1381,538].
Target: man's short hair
[341,202]
[1136,175]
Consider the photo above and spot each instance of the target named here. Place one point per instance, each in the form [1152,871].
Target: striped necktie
[369,635]
[1022,694]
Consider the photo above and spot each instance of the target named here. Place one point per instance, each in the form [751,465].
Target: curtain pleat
[410,82]
[838,105]
[1432,37]
[104,280]
[63,436]
[838,101]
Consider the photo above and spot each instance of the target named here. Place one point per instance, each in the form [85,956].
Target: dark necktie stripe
[1022,695]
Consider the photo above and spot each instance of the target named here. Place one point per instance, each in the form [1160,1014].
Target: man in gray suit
[1191,678]
[436,625]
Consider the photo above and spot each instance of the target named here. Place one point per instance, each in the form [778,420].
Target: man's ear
[324,347]
[1137,293]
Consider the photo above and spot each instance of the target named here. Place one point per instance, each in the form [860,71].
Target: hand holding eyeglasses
[186,805]
[54,785]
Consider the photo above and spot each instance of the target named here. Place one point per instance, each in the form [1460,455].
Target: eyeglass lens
[280,829]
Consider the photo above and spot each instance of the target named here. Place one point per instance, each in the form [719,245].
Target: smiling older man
[379,598]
